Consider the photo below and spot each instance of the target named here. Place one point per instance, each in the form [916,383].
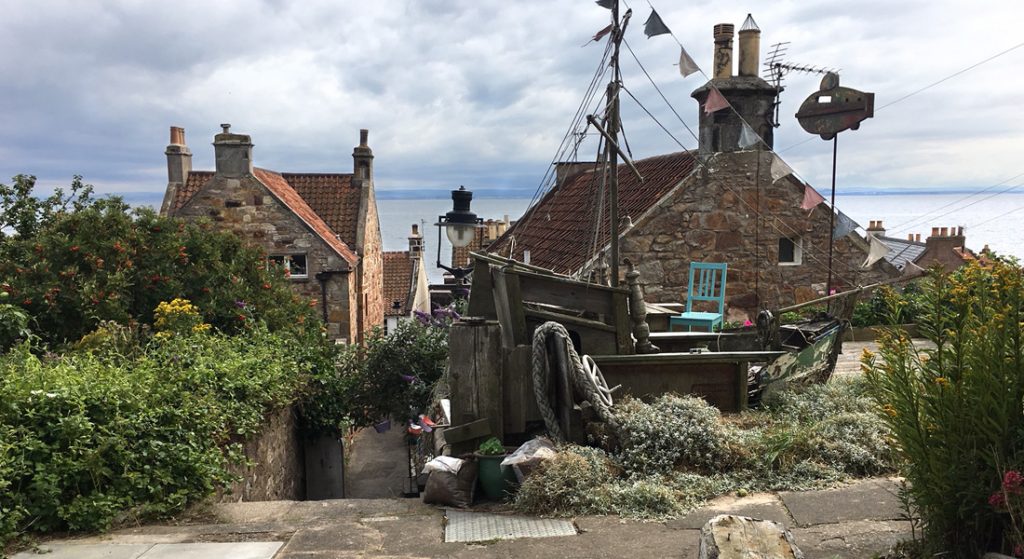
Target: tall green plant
[955,409]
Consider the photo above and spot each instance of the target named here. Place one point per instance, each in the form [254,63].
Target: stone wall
[372,267]
[710,217]
[246,207]
[277,466]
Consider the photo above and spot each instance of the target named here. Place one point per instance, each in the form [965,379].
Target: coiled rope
[586,379]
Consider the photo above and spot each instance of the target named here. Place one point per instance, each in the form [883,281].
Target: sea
[987,219]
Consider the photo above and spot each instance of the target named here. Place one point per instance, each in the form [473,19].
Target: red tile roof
[558,230]
[291,199]
[326,202]
[398,278]
[333,198]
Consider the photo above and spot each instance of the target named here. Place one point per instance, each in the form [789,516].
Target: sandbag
[452,490]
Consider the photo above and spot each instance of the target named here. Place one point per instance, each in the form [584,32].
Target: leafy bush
[955,409]
[875,311]
[74,262]
[672,432]
[677,452]
[93,435]
[13,322]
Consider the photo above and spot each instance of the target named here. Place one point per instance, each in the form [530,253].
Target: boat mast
[611,147]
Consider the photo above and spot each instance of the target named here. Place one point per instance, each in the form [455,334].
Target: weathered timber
[518,400]
[481,298]
[508,305]
[463,438]
[476,373]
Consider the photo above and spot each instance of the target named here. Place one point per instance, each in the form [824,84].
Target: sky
[480,92]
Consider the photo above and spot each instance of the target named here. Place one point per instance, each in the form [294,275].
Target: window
[294,265]
[790,251]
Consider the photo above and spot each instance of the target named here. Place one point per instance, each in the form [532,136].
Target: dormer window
[294,265]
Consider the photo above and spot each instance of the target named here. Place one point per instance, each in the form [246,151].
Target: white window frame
[286,262]
[798,251]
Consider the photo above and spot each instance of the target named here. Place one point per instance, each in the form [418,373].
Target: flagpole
[832,215]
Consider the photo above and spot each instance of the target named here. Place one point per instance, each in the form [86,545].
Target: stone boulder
[728,536]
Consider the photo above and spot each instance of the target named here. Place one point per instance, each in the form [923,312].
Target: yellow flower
[889,410]
[942,381]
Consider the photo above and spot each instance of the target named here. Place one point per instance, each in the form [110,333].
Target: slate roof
[398,278]
[902,251]
[558,229]
[326,202]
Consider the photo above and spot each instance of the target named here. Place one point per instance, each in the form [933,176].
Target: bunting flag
[607,4]
[811,198]
[715,102]
[654,26]
[844,226]
[686,64]
[779,168]
[876,252]
[597,36]
[747,137]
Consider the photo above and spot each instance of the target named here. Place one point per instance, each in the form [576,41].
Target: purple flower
[408,378]
[240,304]
[423,317]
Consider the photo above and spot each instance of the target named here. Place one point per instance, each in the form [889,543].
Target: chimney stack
[415,242]
[179,164]
[723,50]
[917,237]
[362,161]
[750,47]
[875,228]
[233,153]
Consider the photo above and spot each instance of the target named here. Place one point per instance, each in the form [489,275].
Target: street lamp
[460,225]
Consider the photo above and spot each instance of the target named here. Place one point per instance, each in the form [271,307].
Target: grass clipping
[673,454]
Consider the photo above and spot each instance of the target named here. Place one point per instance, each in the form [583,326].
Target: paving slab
[762,506]
[85,551]
[873,499]
[850,540]
[241,550]
[465,526]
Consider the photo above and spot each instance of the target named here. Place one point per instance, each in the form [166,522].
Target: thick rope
[586,379]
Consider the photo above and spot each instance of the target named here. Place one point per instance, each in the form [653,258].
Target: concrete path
[376,464]
[855,521]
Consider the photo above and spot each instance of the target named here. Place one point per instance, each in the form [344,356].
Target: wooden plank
[487,349]
[706,357]
[468,431]
[623,325]
[502,261]
[518,400]
[574,295]
[569,282]
[568,319]
[508,294]
[481,296]
[462,372]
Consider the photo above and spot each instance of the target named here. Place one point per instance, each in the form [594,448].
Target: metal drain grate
[480,527]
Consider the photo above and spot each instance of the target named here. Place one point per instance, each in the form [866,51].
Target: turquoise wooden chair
[709,286]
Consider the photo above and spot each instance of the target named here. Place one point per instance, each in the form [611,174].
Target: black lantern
[460,225]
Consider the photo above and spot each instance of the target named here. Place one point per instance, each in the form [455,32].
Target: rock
[728,536]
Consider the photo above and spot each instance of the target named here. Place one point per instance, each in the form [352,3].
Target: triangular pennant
[779,168]
[876,252]
[715,102]
[747,137]
[811,198]
[597,36]
[607,4]
[844,225]
[686,64]
[654,26]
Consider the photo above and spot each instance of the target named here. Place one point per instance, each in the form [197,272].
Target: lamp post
[460,225]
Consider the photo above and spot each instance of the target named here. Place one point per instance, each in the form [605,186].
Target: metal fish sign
[833,109]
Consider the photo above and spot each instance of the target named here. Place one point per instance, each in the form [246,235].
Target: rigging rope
[586,379]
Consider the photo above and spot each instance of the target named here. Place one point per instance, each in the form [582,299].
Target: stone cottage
[944,248]
[321,227]
[406,286]
[720,203]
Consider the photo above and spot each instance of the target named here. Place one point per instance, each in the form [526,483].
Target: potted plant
[496,482]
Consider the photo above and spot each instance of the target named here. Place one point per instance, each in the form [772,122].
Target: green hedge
[93,436]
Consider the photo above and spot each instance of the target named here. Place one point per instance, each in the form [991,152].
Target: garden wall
[276,465]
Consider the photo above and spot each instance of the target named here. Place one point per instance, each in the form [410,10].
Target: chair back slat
[709,286]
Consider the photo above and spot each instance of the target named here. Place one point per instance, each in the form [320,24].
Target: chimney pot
[917,237]
[944,232]
[177,136]
[910,236]
[960,231]
[415,229]
[750,47]
[723,33]
[226,128]
[364,135]
[935,231]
